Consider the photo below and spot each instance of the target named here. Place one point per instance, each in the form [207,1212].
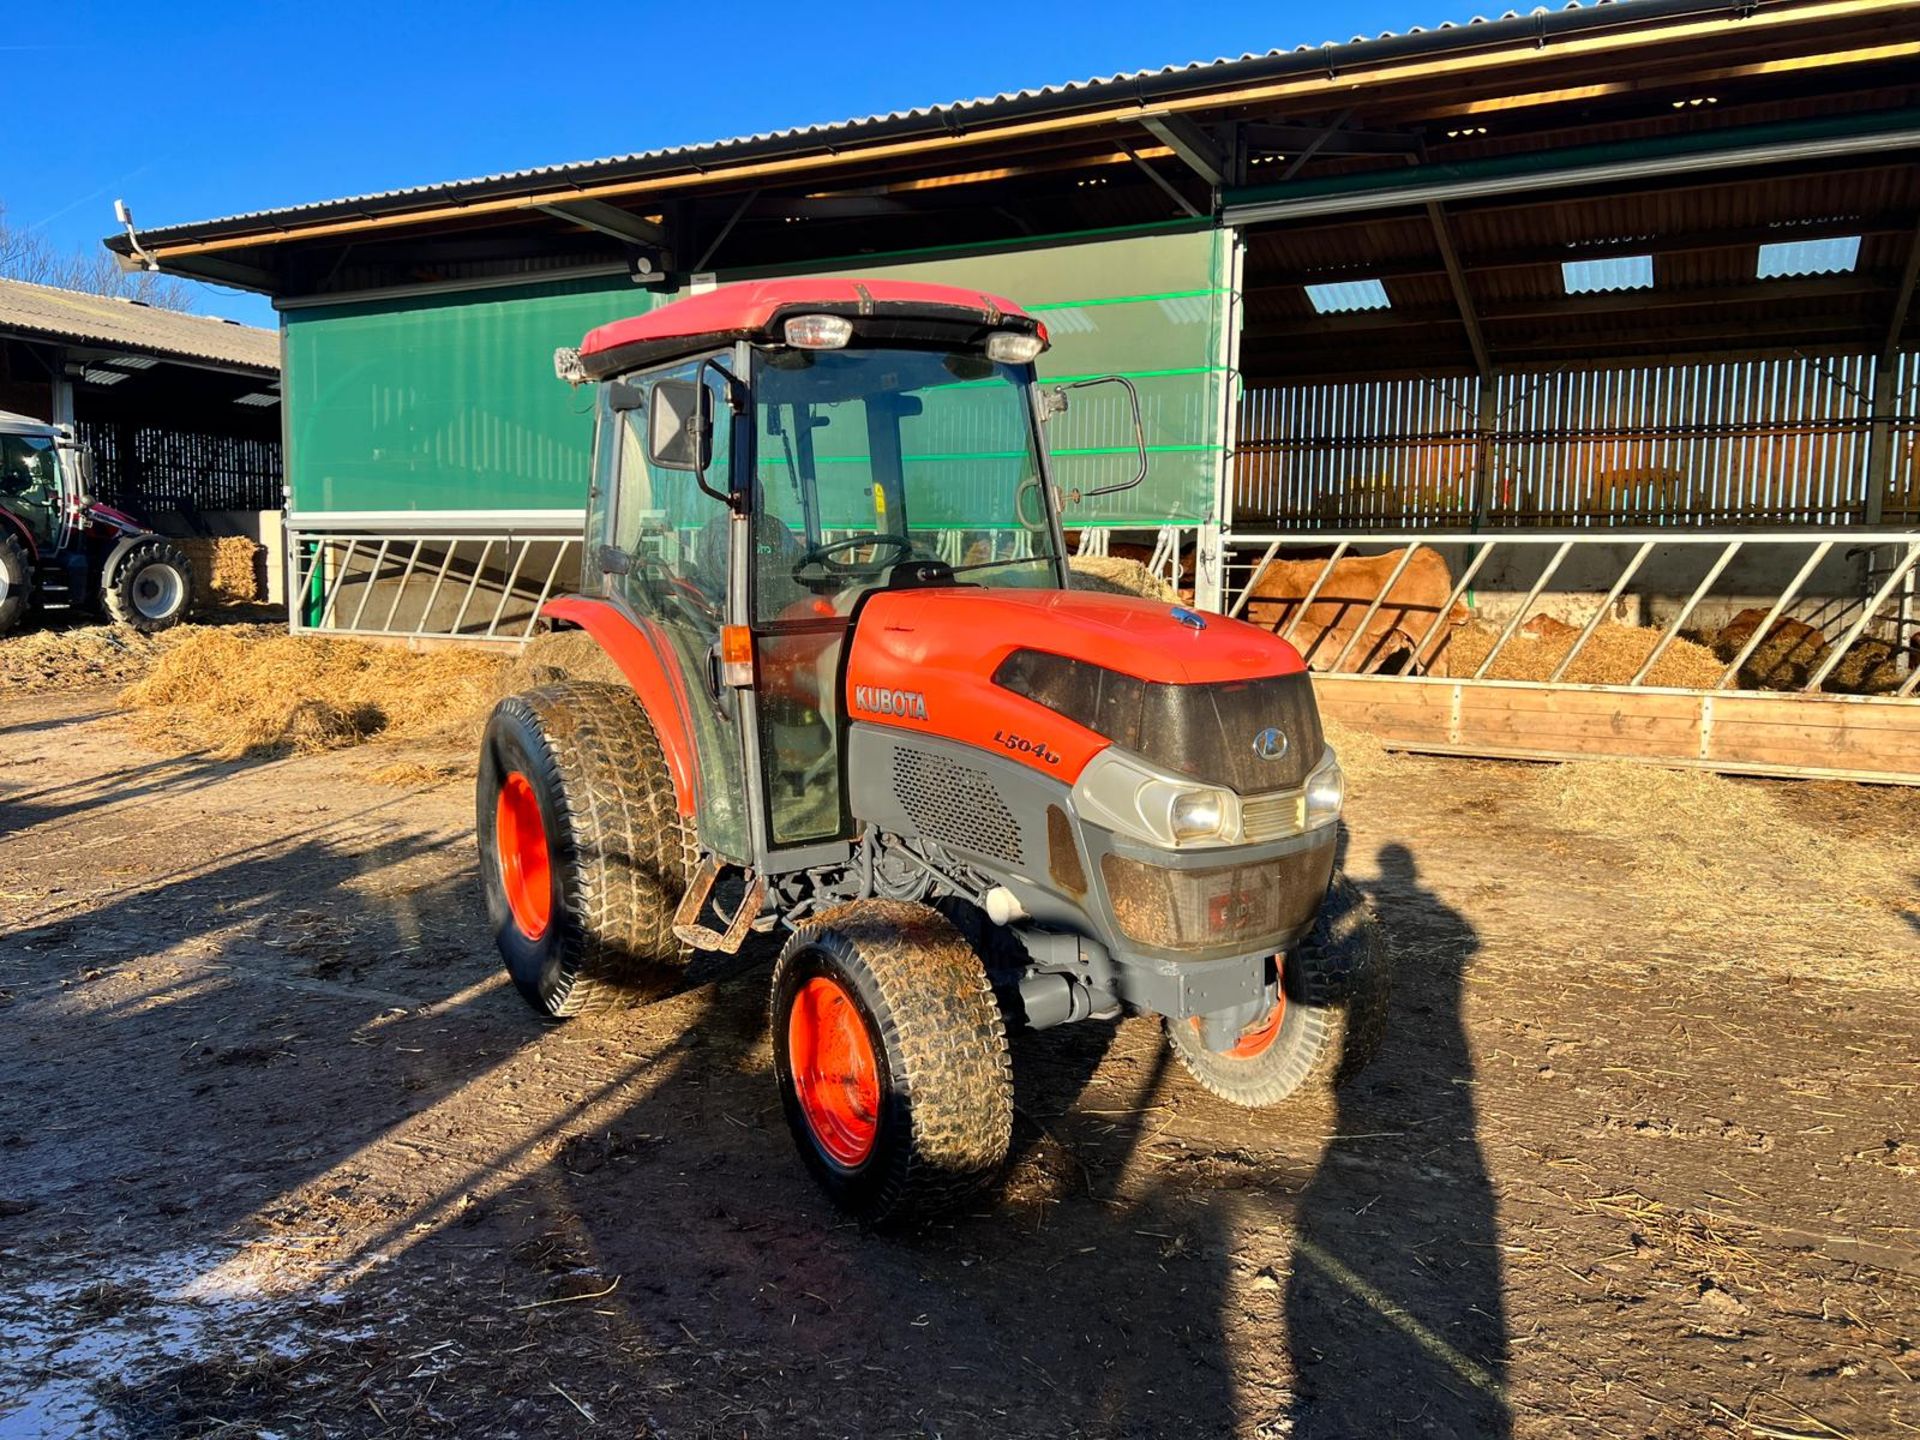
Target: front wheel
[147,584]
[892,1060]
[582,854]
[1329,1020]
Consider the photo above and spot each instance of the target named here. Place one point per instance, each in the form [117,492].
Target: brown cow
[1397,628]
[1785,660]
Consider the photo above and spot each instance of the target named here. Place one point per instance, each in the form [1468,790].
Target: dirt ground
[281,1155]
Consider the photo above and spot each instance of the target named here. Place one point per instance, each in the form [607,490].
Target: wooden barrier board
[1845,737]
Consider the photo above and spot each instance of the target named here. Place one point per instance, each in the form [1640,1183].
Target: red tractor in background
[58,546]
[824,547]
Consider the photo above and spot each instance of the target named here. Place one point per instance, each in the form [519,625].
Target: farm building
[1607,306]
[181,411]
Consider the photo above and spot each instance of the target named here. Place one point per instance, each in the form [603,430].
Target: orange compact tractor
[823,545]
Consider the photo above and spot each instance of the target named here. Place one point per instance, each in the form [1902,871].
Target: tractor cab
[823,547]
[45,477]
[769,456]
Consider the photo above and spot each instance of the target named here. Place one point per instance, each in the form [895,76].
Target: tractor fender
[126,542]
[640,650]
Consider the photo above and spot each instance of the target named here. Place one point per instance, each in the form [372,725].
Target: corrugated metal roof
[1145,85]
[41,310]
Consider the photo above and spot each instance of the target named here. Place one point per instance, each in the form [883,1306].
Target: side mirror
[612,560]
[1054,402]
[680,425]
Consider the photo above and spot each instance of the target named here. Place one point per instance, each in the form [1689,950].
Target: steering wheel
[820,554]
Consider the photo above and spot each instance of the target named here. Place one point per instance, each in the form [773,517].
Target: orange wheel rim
[834,1072]
[1255,1039]
[520,843]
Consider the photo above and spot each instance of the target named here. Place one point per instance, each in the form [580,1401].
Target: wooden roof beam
[1457,282]
[1192,144]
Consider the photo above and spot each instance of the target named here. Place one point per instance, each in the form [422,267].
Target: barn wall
[449,402]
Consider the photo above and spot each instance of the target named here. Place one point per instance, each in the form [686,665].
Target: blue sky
[197,109]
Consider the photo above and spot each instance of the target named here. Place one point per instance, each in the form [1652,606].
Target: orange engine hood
[924,660]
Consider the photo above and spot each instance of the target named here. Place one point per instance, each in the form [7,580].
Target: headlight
[1010,347]
[1121,792]
[818,332]
[1326,792]
[1198,815]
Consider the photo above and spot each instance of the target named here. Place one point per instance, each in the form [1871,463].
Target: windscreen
[866,458]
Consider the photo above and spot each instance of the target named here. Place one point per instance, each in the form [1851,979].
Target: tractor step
[686,920]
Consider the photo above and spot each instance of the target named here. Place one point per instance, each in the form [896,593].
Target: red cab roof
[752,309]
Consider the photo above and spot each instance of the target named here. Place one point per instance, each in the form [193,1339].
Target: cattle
[1397,628]
[1548,628]
[1785,660]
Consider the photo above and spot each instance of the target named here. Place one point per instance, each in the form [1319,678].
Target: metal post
[373,578]
[1525,605]
[1481,552]
[1667,636]
[1406,558]
[1600,614]
[1313,591]
[559,553]
[1834,656]
[1253,579]
[479,567]
[333,590]
[400,590]
[1787,597]
[434,594]
[513,575]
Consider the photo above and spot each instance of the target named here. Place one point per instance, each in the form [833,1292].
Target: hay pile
[234,694]
[1612,657]
[1113,575]
[65,659]
[226,569]
[1709,852]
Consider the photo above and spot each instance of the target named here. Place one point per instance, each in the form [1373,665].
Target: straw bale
[232,694]
[1115,575]
[1613,656]
[225,569]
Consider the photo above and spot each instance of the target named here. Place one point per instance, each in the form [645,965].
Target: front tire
[1330,1020]
[16,582]
[148,585]
[892,1061]
[582,854]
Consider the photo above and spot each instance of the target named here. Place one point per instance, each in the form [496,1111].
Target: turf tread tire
[948,1119]
[620,856]
[116,586]
[16,581]
[1338,984]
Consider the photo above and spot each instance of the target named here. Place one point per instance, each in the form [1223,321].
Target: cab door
[661,545]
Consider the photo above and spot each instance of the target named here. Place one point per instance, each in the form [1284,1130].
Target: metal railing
[1863,586]
[442,584]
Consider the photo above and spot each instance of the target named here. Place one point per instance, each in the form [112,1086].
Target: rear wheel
[582,853]
[891,1059]
[16,582]
[148,585]
[1329,1020]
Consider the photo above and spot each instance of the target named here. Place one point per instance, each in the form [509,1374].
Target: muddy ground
[280,1155]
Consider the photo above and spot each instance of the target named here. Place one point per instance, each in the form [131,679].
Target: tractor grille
[1220,910]
[1273,817]
[955,804]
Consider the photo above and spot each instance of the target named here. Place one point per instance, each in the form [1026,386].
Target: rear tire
[891,1058]
[582,854]
[16,582]
[1331,1019]
[148,585]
